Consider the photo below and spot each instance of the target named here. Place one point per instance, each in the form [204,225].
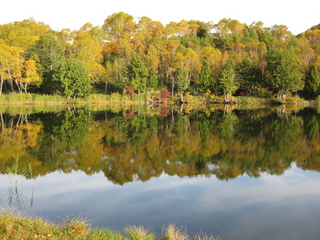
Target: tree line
[131,55]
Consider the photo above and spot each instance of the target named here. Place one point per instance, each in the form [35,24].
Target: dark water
[235,174]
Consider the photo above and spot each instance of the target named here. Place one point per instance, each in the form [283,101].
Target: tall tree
[312,83]
[249,75]
[136,74]
[87,48]
[180,77]
[47,52]
[10,64]
[29,76]
[205,79]
[227,83]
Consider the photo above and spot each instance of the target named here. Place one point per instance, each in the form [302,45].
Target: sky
[298,16]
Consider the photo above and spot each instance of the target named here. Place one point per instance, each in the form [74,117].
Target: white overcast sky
[297,15]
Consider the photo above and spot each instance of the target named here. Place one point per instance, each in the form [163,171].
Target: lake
[232,173]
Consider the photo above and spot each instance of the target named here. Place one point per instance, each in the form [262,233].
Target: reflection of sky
[269,207]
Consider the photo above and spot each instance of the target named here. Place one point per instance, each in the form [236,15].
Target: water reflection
[152,169]
[130,146]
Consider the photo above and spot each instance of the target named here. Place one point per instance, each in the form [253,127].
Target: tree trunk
[1,83]
[181,98]
[172,86]
[18,86]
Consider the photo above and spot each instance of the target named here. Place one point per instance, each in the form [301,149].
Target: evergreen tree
[204,80]
[249,75]
[227,83]
[71,79]
[312,84]
[181,78]
[153,78]
[136,74]
[47,52]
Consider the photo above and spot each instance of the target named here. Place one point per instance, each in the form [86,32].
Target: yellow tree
[168,56]
[29,76]
[178,29]
[120,29]
[307,54]
[23,33]
[87,48]
[214,57]
[229,26]
[192,64]
[10,64]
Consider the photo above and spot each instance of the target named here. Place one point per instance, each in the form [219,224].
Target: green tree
[180,77]
[312,83]
[153,78]
[71,79]
[61,132]
[204,80]
[249,75]
[227,80]
[136,74]
[47,52]
[283,72]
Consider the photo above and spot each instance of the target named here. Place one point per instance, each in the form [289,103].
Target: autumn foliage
[143,54]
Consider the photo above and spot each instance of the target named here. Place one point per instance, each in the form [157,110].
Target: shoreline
[14,226]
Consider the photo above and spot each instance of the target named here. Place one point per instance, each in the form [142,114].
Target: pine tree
[204,80]
[181,78]
[227,80]
[136,74]
[312,84]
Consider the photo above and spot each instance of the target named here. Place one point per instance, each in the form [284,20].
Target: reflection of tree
[282,136]
[144,146]
[203,124]
[226,127]
[61,132]
[137,129]
[181,126]
[308,155]
[311,124]
[17,135]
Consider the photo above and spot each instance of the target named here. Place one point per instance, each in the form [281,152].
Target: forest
[133,56]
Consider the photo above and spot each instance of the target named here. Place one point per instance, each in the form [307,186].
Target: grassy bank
[37,99]
[19,227]
[150,98]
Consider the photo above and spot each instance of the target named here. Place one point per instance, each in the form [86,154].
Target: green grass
[16,227]
[30,98]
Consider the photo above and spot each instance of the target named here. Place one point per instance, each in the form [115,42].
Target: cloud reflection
[263,208]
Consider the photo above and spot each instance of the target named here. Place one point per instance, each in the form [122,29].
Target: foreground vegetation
[20,227]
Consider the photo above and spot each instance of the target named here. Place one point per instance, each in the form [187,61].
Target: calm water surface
[237,174]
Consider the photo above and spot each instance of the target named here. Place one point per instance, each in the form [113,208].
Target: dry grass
[172,232]
[15,227]
[139,232]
